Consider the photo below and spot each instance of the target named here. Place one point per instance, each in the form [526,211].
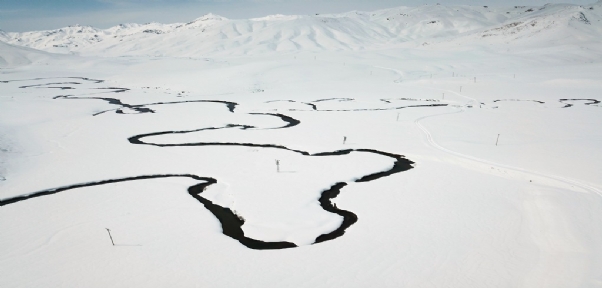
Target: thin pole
[110,236]
[397,117]
[344,139]
[498,139]
[443,95]
[278,166]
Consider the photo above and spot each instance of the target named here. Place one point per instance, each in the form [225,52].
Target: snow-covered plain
[496,113]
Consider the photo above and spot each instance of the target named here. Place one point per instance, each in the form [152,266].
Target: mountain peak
[209,16]
[275,17]
[353,30]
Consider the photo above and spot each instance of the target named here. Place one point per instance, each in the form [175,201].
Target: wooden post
[498,139]
[278,166]
[110,236]
[344,139]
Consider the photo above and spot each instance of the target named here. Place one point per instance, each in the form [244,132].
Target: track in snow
[431,141]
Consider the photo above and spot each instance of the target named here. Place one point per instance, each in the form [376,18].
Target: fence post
[108,230]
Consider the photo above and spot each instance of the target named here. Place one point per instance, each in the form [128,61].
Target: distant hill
[11,55]
[409,26]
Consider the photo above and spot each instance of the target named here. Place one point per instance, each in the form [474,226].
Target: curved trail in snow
[431,141]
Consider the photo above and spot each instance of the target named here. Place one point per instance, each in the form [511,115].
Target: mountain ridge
[212,34]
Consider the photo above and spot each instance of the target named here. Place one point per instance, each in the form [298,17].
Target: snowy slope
[11,55]
[3,36]
[548,25]
[159,171]
[216,35]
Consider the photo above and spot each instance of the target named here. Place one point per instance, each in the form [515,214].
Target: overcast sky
[27,15]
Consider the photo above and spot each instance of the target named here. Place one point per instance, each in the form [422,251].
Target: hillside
[11,55]
[427,24]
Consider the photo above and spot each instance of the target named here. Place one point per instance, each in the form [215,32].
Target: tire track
[431,141]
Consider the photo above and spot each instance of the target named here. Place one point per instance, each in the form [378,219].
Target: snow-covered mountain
[11,55]
[427,24]
[3,36]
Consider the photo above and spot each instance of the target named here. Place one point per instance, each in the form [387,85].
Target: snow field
[523,213]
